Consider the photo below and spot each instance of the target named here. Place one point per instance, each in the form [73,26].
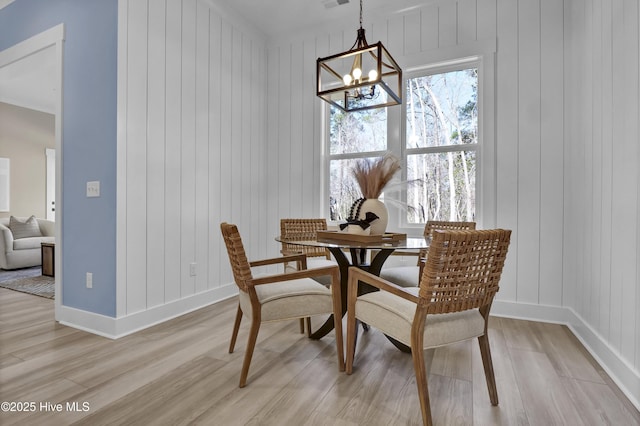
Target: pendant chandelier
[364,77]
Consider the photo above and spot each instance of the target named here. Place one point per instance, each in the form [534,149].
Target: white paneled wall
[603,218]
[192,146]
[215,124]
[529,126]
[566,141]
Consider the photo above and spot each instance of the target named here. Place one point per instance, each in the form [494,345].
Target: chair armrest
[6,245]
[356,274]
[284,259]
[327,253]
[334,271]
[405,253]
[374,253]
[47,227]
[290,253]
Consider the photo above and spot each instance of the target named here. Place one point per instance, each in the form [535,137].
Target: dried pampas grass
[373,175]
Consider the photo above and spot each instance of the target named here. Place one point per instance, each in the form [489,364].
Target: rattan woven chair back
[301,230]
[237,256]
[442,225]
[463,269]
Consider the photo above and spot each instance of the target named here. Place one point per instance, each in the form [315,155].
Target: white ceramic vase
[378,226]
[357,230]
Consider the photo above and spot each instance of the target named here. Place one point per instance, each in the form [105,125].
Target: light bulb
[357,73]
[347,79]
[373,74]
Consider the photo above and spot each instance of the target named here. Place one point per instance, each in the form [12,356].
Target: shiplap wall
[529,126]
[566,143]
[602,280]
[191,147]
[209,138]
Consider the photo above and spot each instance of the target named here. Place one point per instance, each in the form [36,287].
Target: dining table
[351,250]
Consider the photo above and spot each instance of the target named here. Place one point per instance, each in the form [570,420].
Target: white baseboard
[625,376]
[114,328]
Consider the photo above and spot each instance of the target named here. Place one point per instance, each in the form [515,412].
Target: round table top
[407,243]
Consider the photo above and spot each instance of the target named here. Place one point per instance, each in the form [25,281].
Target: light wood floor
[180,372]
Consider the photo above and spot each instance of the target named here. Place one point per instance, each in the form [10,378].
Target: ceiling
[276,17]
[29,82]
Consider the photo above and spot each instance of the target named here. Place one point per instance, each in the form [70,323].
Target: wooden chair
[300,230]
[452,304]
[317,257]
[279,297]
[409,276]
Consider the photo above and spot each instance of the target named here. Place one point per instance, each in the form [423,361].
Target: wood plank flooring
[180,372]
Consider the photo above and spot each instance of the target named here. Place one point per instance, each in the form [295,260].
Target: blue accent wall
[88,138]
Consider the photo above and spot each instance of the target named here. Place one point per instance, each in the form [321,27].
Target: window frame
[432,69]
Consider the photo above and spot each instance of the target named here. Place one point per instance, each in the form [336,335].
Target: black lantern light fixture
[364,77]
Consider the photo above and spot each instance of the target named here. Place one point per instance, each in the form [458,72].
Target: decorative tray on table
[345,236]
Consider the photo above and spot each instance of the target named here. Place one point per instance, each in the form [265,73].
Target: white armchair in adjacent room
[23,250]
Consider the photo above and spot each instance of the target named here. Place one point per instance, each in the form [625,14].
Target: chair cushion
[404,276]
[393,316]
[27,229]
[314,262]
[31,243]
[289,299]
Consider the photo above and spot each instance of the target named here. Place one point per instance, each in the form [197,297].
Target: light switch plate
[93,188]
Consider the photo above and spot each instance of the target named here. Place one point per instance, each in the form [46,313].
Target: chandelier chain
[360,13]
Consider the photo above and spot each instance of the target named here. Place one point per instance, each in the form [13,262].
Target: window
[437,145]
[354,135]
[441,139]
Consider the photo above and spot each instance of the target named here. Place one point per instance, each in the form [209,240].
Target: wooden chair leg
[251,344]
[339,345]
[352,322]
[421,381]
[308,321]
[417,354]
[236,327]
[301,325]
[352,335]
[355,338]
[485,351]
[336,300]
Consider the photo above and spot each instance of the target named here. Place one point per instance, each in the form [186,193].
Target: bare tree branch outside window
[442,115]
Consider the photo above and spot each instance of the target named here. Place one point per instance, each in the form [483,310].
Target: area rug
[14,274]
[39,286]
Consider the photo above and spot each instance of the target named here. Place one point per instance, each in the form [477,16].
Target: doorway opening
[25,54]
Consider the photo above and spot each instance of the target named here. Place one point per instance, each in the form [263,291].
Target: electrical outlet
[89,280]
[192,269]
[93,188]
